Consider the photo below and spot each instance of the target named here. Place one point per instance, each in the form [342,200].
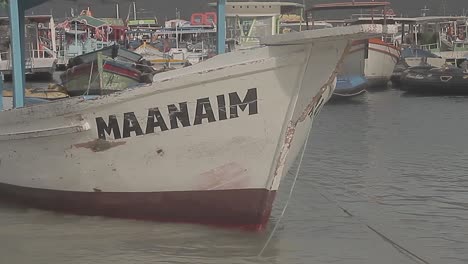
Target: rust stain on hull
[291,129]
[99,145]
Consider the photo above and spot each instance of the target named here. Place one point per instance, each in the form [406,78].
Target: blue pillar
[17,51]
[221,26]
[1,91]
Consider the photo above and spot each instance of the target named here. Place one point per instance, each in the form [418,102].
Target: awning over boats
[429,19]
[348,5]
[284,7]
[28,19]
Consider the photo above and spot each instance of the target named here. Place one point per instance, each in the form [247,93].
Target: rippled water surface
[384,180]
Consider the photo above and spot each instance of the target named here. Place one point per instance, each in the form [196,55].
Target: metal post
[1,91]
[17,45]
[221,26]
[402,33]
[100,65]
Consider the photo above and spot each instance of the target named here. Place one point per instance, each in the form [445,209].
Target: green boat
[105,71]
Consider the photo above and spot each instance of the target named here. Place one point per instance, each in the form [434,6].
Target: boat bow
[207,144]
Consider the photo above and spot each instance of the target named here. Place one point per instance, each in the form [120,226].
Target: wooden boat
[434,80]
[209,143]
[105,71]
[113,51]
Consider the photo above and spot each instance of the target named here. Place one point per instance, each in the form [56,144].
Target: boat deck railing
[457,46]
[39,54]
[460,46]
[430,47]
[34,54]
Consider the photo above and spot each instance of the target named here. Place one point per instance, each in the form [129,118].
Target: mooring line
[408,253]
[290,194]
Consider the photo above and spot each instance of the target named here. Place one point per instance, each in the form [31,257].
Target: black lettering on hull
[250,100]
[151,124]
[112,128]
[131,125]
[203,111]
[178,116]
[181,114]
[222,113]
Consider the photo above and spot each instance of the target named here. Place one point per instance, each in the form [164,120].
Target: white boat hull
[380,63]
[206,144]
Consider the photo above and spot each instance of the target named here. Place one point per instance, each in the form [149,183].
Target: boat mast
[176,26]
[117,10]
[76,34]
[134,11]
[423,11]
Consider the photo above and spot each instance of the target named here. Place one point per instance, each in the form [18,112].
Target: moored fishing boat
[447,80]
[105,71]
[206,144]
[381,53]
[380,63]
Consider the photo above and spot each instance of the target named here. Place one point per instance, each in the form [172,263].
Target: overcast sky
[163,9]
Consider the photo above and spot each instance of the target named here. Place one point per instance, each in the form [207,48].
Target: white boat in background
[40,54]
[205,144]
[382,53]
[444,36]
[381,61]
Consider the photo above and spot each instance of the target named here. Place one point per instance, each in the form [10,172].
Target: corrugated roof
[91,21]
[348,5]
[113,21]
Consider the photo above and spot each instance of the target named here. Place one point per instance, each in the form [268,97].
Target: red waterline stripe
[240,208]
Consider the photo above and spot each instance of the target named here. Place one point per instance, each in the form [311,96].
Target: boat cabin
[80,35]
[247,22]
[40,47]
[140,30]
[444,36]
[208,18]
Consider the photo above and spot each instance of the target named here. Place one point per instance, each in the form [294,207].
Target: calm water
[397,164]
